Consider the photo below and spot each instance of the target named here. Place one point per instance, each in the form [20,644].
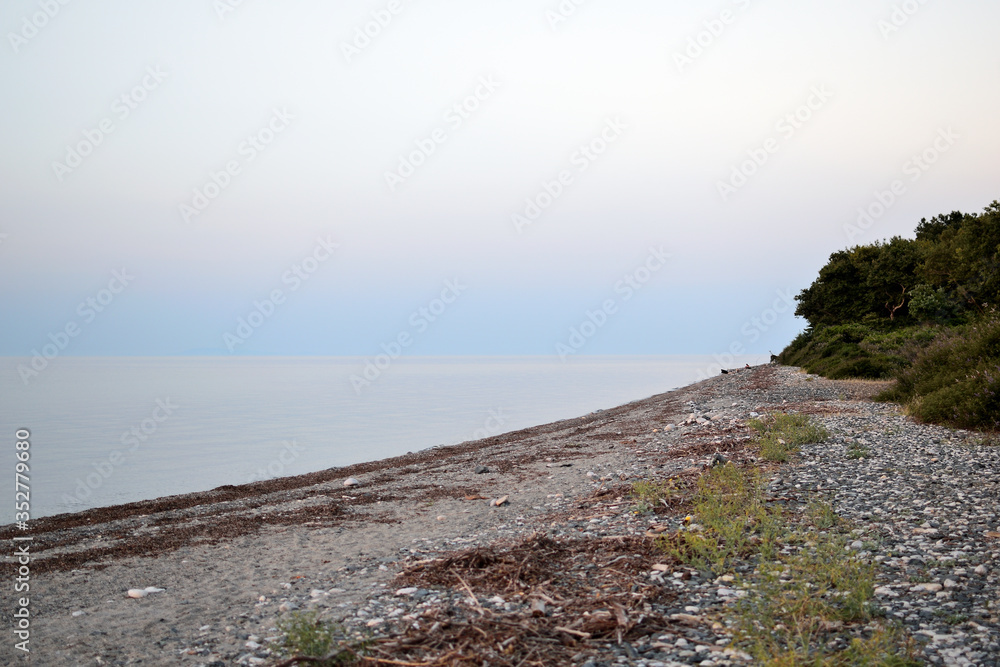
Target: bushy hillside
[921,310]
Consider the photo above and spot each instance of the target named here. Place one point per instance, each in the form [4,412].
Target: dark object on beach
[774,357]
[725,372]
[718,460]
[747,366]
[482,470]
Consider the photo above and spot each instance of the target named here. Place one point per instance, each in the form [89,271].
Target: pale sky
[116,113]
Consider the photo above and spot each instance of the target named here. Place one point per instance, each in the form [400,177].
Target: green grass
[306,635]
[649,495]
[780,435]
[731,521]
[858,451]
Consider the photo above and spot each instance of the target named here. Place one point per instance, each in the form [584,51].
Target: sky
[454,178]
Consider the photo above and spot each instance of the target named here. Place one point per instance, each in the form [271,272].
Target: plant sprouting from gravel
[651,494]
[856,450]
[780,435]
[731,520]
[308,636]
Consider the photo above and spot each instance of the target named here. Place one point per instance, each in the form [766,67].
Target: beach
[353,543]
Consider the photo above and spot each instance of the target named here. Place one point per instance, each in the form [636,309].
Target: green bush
[306,635]
[956,380]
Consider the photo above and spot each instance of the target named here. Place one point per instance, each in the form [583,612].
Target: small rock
[406,591]
[350,481]
[253,646]
[288,606]
[980,570]
[482,470]
[143,592]
[79,613]
[857,545]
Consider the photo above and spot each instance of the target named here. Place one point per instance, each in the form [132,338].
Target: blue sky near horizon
[198,81]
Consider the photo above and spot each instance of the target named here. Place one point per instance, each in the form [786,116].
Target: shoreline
[234,560]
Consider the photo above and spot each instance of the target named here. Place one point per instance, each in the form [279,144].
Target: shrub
[306,635]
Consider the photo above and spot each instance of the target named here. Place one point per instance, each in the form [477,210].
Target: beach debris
[558,465]
[350,481]
[482,470]
[404,592]
[79,613]
[718,460]
[143,592]
[475,497]
[502,500]
[538,607]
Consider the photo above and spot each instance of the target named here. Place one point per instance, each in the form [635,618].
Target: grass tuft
[306,635]
[780,435]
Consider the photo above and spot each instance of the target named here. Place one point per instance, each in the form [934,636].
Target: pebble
[350,481]
[143,592]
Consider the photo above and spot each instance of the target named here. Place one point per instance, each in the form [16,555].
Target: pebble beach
[561,564]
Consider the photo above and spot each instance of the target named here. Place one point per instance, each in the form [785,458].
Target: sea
[111,430]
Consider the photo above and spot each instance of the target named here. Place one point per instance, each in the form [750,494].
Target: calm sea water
[113,430]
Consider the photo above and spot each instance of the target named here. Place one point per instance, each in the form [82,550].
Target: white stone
[981,569]
[406,591]
[350,481]
[79,613]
